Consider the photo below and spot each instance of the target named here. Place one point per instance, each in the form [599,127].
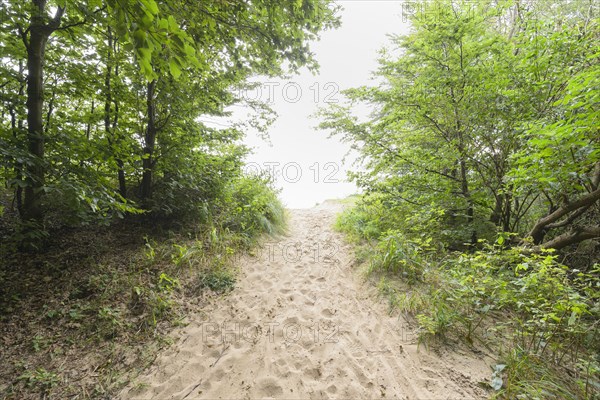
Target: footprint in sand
[328,313]
[269,387]
[314,373]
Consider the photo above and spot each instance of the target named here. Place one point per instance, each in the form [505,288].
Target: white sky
[308,165]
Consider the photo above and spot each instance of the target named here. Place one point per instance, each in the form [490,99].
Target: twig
[379,351]
[191,391]
[220,355]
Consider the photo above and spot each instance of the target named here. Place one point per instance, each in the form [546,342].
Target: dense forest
[481,179]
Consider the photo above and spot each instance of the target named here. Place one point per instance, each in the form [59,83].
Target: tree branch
[576,235]
[544,223]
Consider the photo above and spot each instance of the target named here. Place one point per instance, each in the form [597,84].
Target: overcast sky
[308,165]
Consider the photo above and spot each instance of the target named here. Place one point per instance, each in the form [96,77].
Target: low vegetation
[540,316]
[85,316]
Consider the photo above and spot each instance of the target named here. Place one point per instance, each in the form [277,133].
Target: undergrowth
[540,316]
[84,317]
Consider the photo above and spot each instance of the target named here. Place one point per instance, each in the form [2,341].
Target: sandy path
[301,325]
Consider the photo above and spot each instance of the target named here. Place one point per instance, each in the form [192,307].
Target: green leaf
[173,25]
[174,68]
[189,50]
[150,6]
[163,24]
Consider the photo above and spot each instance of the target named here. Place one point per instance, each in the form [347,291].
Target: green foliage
[113,134]
[396,255]
[437,322]
[481,125]
[125,88]
[541,313]
[251,206]
[40,379]
[217,279]
[365,221]
[572,129]
[529,376]
[484,129]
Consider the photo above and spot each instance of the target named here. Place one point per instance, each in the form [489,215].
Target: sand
[302,324]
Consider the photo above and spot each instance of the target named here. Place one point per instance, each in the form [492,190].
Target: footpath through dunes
[300,324]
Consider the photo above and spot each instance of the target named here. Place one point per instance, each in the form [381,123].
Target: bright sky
[307,164]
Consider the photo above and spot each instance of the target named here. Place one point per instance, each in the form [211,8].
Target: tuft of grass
[219,280]
[528,376]
[39,379]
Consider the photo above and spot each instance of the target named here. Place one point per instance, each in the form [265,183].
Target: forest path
[300,324]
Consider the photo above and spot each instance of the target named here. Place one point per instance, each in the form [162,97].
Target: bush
[250,206]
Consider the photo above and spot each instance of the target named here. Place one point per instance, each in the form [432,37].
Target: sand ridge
[301,325]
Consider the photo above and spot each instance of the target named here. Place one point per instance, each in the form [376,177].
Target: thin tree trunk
[110,125]
[551,221]
[120,163]
[508,211]
[17,128]
[496,216]
[88,130]
[464,184]
[150,139]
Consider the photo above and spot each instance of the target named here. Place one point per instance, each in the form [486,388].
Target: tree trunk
[110,125]
[35,102]
[464,184]
[574,236]
[566,216]
[39,32]
[149,141]
[121,177]
[120,163]
[507,214]
[552,220]
[496,216]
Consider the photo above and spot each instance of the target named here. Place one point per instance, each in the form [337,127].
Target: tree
[428,135]
[233,42]
[35,37]
[486,117]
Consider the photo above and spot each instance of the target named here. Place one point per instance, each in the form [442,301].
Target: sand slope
[301,325]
